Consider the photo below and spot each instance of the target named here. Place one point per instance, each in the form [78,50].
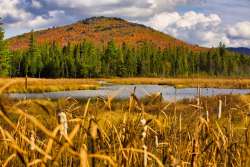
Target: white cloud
[84,3]
[240,43]
[8,8]
[40,21]
[240,30]
[191,26]
[211,38]
[239,34]
[129,12]
[124,8]
[162,20]
[192,19]
[36,4]
[198,28]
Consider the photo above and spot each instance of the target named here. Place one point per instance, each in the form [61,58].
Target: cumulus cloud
[239,34]
[9,9]
[154,4]
[192,19]
[19,19]
[36,4]
[37,22]
[190,25]
[240,30]
[85,3]
[130,9]
[163,20]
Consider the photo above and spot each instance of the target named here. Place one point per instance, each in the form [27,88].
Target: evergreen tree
[88,60]
[109,59]
[4,54]
[34,63]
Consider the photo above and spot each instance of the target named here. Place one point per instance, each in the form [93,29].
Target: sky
[202,22]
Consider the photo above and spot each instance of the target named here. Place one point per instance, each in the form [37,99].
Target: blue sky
[203,22]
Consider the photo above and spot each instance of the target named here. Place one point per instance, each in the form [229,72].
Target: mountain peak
[100,30]
[101,18]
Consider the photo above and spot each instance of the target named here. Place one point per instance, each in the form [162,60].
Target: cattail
[26,82]
[145,156]
[207,113]
[93,128]
[180,122]
[143,122]
[93,131]
[225,101]
[145,127]
[144,134]
[124,124]
[32,139]
[220,109]
[83,158]
[156,141]
[63,121]
[198,101]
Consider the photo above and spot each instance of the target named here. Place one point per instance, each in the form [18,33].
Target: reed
[135,132]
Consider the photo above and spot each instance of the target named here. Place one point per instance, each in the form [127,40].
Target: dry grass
[187,82]
[36,85]
[52,85]
[109,133]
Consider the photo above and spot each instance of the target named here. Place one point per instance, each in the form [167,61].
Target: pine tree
[4,55]
[95,62]
[109,59]
[120,69]
[34,61]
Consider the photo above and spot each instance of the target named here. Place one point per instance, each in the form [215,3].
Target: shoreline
[36,85]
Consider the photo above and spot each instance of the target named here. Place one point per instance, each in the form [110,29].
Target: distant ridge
[100,30]
[241,50]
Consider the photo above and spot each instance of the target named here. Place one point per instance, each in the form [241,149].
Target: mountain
[100,30]
[241,50]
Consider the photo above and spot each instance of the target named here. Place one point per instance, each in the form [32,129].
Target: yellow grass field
[147,132]
[211,131]
[187,82]
[36,85]
[52,85]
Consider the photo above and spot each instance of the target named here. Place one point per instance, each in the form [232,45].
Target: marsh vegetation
[210,131]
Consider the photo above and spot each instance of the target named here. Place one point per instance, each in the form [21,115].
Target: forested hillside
[149,53]
[99,31]
[87,60]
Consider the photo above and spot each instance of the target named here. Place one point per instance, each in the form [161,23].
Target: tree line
[4,54]
[87,60]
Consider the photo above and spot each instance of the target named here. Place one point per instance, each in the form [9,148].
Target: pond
[169,93]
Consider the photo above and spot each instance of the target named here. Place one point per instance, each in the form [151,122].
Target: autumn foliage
[100,30]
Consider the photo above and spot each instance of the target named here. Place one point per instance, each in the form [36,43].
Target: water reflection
[124,91]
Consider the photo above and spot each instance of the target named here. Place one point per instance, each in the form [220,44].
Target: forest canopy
[145,59]
[87,60]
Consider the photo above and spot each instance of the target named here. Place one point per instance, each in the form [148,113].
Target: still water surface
[123,91]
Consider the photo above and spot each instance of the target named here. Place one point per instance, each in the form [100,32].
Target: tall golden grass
[134,132]
[187,82]
[37,85]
